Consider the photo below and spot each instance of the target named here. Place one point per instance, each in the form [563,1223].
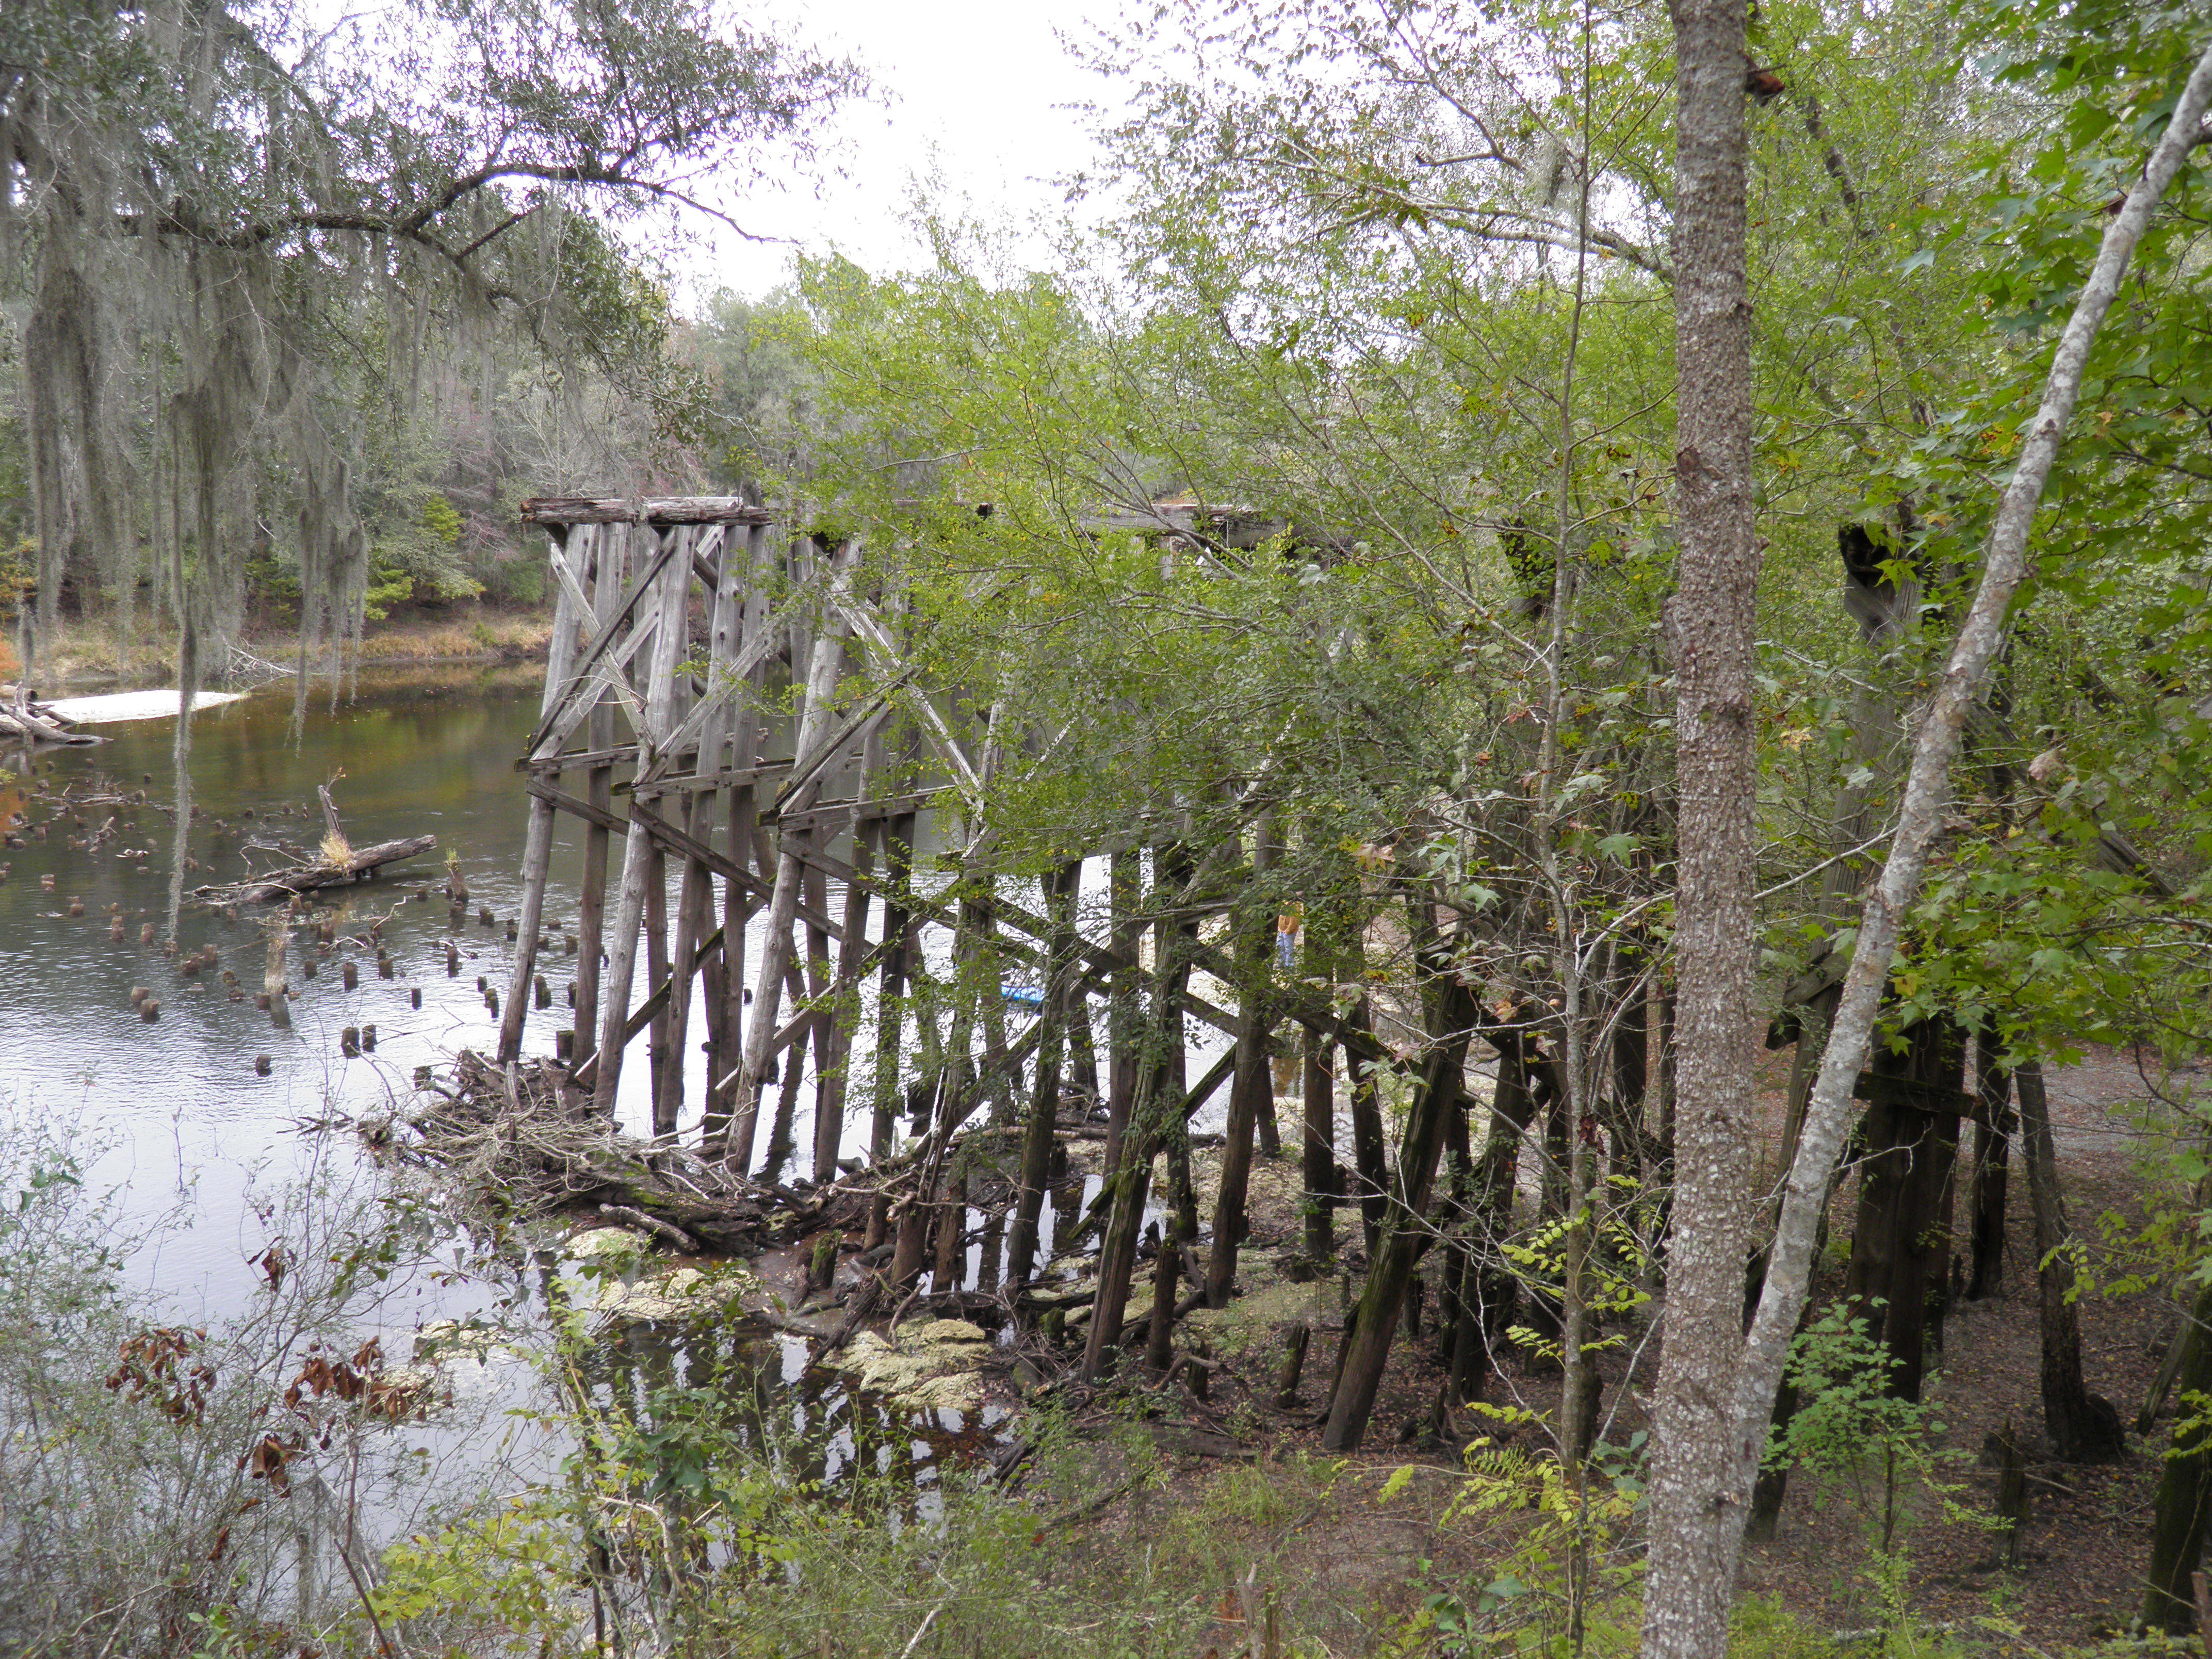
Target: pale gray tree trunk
[1694,1533]
[1705,1460]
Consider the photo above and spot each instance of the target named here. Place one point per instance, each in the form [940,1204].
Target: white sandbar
[133,706]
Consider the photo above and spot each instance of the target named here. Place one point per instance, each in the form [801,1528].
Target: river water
[171,1116]
[174,1108]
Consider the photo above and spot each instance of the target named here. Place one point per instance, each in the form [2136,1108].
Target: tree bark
[1698,1511]
[2183,1513]
[2083,1427]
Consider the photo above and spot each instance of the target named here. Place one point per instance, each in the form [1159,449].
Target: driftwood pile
[528,1140]
[525,1138]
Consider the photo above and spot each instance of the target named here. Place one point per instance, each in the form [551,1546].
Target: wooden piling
[814,727]
[668,571]
[830,1089]
[568,548]
[608,554]
[1038,1139]
[897,834]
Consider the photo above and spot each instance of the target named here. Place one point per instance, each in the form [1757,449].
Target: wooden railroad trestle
[640,588]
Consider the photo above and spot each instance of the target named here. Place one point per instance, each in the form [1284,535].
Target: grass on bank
[88,653]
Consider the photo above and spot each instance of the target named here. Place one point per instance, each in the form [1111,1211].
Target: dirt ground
[1350,1561]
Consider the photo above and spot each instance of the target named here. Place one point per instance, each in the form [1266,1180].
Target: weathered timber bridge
[673,619]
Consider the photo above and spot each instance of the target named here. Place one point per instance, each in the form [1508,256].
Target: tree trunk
[1696,1505]
[2183,1514]
[1687,1594]
[2083,1427]
[1407,1227]
[1992,1154]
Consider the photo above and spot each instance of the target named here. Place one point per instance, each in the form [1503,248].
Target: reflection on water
[177,1105]
[194,1113]
[680,1390]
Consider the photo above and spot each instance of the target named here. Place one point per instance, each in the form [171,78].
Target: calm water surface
[171,1115]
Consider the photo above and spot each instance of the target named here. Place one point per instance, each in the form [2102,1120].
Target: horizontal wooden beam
[648,509]
[727,778]
[1878,1088]
[675,841]
[856,812]
[616,755]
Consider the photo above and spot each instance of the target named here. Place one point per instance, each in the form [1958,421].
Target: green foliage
[1562,1585]
[501,1581]
[137,1451]
[18,572]
[386,588]
[1855,1434]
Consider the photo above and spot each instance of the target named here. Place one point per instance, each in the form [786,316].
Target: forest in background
[1316,525]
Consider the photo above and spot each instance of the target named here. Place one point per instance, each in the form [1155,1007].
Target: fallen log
[323,872]
[25,718]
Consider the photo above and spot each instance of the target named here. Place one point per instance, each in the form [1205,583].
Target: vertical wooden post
[669,635]
[891,1004]
[1512,1109]
[777,1153]
[1117,1251]
[2083,1427]
[1167,1276]
[1060,893]
[1407,1227]
[567,546]
[666,1068]
[1370,1169]
[1082,1049]
[610,574]
[1124,873]
[1992,1158]
[1912,1153]
[814,887]
[814,727]
[833,1082]
[951,1235]
[738,902]
[1140,1140]
[1318,1161]
[695,905]
[1252,1086]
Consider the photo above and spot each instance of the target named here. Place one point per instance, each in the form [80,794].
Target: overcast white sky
[976,90]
